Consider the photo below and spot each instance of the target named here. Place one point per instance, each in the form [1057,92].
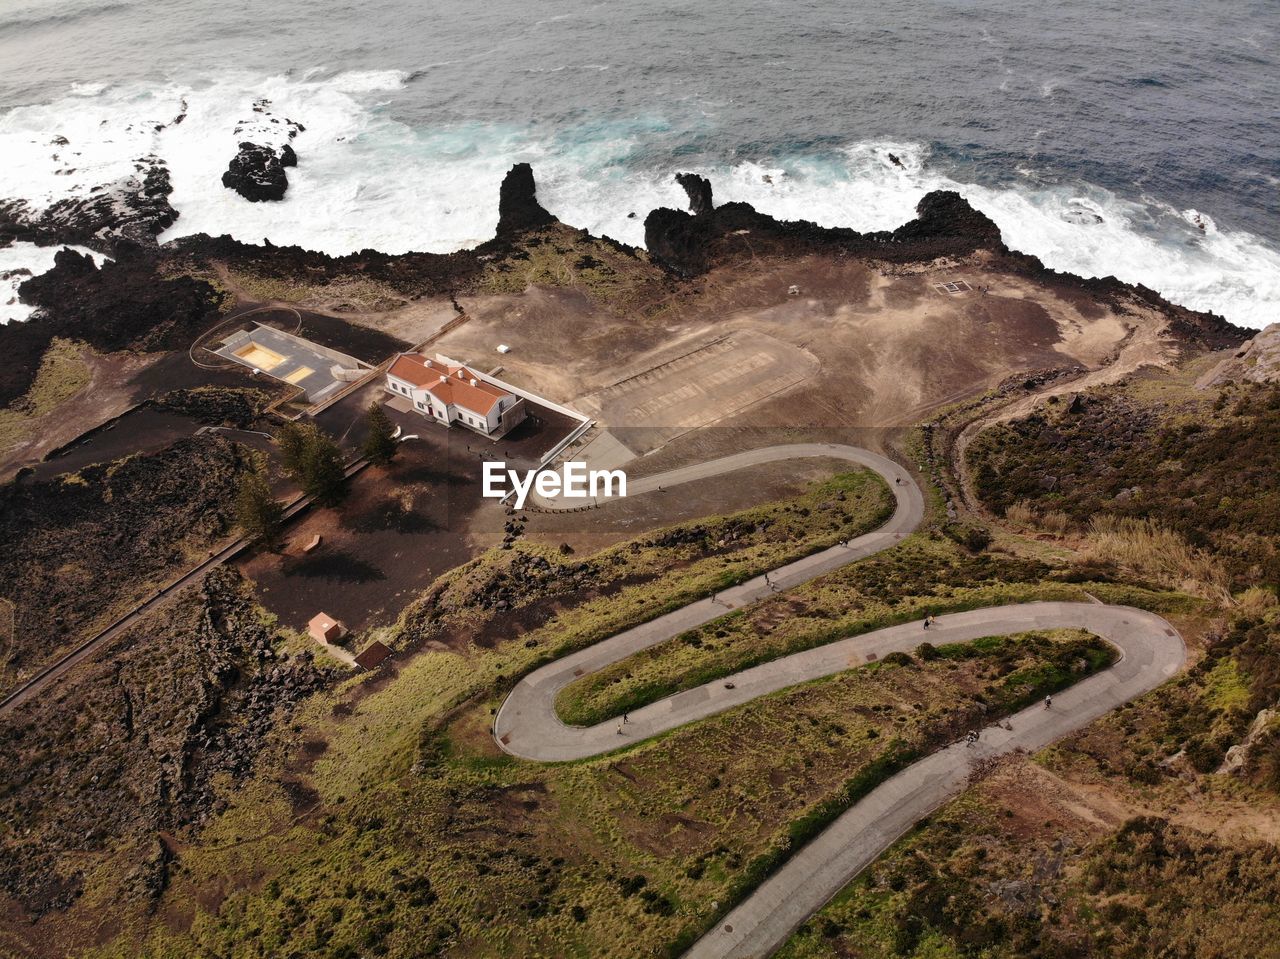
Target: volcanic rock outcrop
[699,190]
[1257,361]
[518,206]
[129,212]
[687,243]
[257,172]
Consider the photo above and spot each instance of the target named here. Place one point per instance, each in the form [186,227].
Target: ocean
[1139,138]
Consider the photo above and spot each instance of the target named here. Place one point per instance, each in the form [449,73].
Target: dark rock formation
[699,190]
[688,243]
[124,305]
[945,225]
[518,207]
[946,215]
[189,696]
[410,274]
[257,172]
[130,212]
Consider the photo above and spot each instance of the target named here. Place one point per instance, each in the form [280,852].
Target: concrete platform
[290,359]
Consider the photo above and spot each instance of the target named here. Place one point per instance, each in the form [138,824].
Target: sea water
[1138,138]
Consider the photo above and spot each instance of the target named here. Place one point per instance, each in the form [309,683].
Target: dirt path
[1143,347]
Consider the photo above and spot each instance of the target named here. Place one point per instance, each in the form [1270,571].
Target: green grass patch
[884,590]
[63,373]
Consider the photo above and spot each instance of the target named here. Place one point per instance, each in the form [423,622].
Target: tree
[380,446]
[314,461]
[323,475]
[292,441]
[258,514]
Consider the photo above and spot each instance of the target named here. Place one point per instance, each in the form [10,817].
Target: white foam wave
[18,263]
[366,180]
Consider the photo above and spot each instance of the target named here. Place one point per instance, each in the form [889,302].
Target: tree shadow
[390,518]
[338,565]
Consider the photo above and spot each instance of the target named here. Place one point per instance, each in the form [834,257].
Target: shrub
[1158,552]
[969,535]
[1021,513]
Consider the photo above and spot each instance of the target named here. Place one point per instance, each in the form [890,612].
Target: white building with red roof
[451,393]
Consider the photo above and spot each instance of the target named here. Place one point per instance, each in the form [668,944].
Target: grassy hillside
[1139,461]
[1152,831]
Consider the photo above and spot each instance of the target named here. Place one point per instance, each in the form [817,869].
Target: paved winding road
[527,725]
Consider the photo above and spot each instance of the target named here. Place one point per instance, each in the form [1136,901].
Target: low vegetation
[82,548]
[1186,489]
[63,373]
[475,854]
[135,747]
[1188,726]
[994,878]
[925,574]
[611,275]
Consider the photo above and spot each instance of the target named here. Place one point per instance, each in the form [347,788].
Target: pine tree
[292,440]
[314,461]
[323,475]
[380,446]
[258,514]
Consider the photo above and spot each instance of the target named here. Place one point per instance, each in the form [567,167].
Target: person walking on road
[1048,701]
[928,621]
[625,720]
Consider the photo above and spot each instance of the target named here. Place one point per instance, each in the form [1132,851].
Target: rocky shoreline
[124,222]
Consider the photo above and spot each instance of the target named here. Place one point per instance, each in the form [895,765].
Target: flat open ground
[856,347]
[698,386]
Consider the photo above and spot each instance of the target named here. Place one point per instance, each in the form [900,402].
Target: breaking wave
[368,179]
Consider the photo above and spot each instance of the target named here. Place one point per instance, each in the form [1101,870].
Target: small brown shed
[371,656]
[325,629]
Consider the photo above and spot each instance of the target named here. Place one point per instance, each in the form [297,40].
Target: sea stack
[257,172]
[518,207]
[698,189]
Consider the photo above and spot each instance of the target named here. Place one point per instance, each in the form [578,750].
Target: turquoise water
[1139,138]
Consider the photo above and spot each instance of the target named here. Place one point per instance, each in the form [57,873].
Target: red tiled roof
[449,384]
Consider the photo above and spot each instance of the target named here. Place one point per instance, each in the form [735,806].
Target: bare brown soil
[857,346]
